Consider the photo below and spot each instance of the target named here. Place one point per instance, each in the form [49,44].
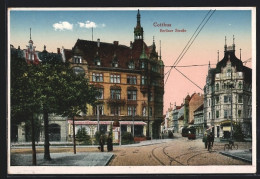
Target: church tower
[138,30]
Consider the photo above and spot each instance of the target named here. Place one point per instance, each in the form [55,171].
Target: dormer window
[77,59]
[131,65]
[97,62]
[115,64]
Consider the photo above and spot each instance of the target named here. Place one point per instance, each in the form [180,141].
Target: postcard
[132,90]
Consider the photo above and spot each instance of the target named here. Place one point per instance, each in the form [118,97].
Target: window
[99,108]
[240,85]
[225,99]
[97,62]
[115,110]
[77,59]
[131,65]
[217,114]
[78,70]
[150,111]
[115,93]
[131,95]
[217,87]
[228,72]
[142,65]
[131,80]
[209,102]
[239,112]
[144,111]
[209,115]
[114,78]
[144,80]
[240,99]
[115,64]
[131,110]
[101,91]
[217,99]
[97,77]
[225,113]
[151,96]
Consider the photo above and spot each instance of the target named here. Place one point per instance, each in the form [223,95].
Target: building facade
[199,123]
[130,79]
[227,95]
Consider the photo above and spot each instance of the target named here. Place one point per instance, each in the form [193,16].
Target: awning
[106,122]
[131,123]
[226,128]
[90,122]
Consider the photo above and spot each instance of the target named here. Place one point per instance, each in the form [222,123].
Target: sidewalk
[64,159]
[244,155]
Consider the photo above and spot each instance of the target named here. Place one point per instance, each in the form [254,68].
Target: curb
[236,157]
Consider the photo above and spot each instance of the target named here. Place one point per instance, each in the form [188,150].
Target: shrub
[127,138]
[238,133]
[82,136]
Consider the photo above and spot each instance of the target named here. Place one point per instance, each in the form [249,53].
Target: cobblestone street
[179,151]
[175,152]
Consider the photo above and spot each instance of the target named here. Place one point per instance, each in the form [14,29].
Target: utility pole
[133,111]
[98,117]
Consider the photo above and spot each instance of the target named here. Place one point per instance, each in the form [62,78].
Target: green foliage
[127,138]
[238,133]
[82,136]
[98,135]
[156,128]
[170,134]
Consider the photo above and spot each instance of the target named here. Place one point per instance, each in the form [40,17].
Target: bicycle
[230,146]
[209,147]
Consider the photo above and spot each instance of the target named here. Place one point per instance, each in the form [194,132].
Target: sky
[61,28]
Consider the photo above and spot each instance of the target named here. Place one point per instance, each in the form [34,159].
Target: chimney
[116,43]
[131,44]
[98,42]
[58,50]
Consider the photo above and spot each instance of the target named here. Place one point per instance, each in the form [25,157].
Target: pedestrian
[212,138]
[209,141]
[101,143]
[109,143]
[205,140]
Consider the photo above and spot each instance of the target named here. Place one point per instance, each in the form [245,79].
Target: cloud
[61,26]
[90,24]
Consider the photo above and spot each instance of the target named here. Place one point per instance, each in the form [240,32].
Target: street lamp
[133,111]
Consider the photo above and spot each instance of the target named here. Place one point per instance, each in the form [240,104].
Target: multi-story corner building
[130,79]
[227,98]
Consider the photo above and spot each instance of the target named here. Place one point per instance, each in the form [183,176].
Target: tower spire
[225,47]
[240,53]
[233,42]
[30,34]
[138,30]
[218,55]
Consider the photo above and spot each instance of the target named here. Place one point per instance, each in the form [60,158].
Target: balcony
[116,102]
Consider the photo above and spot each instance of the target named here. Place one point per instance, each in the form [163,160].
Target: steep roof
[107,52]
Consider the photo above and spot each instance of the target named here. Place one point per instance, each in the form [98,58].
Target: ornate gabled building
[130,79]
[227,95]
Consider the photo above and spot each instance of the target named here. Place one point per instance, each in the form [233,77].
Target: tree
[49,87]
[24,96]
[238,133]
[82,136]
